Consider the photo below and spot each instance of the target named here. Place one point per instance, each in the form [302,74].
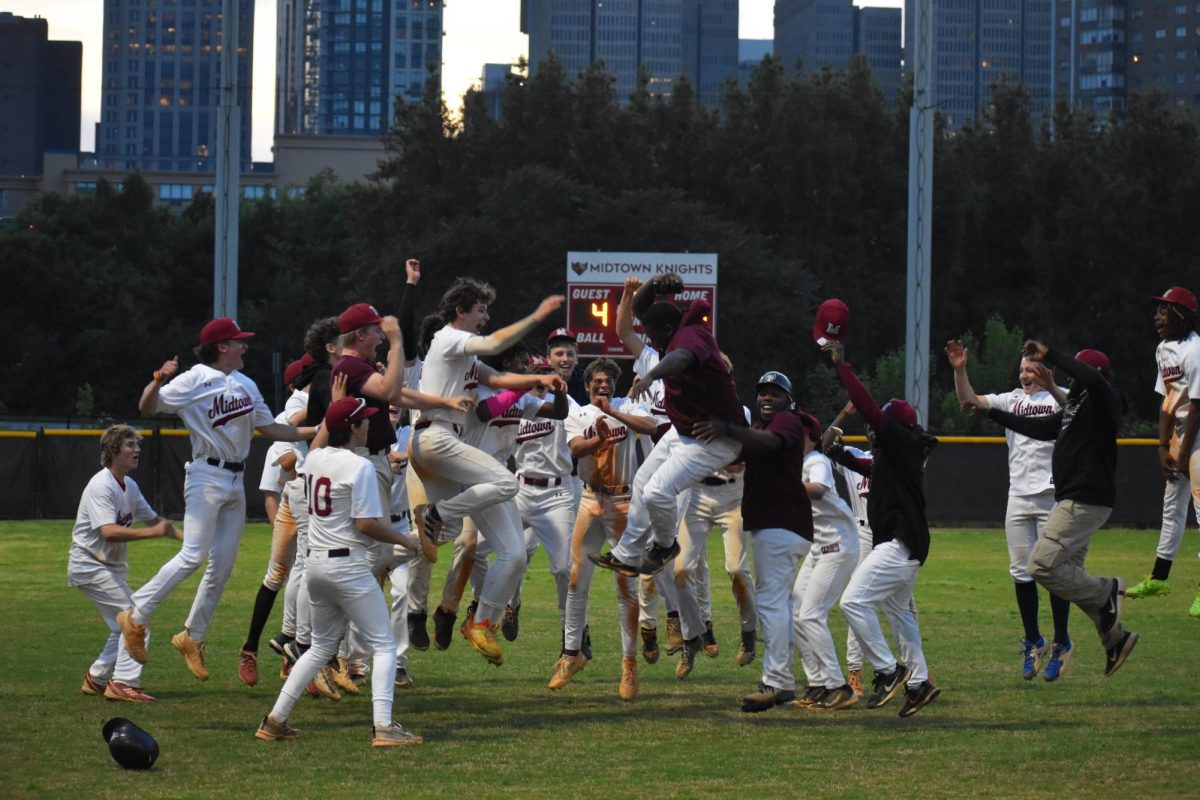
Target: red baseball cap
[539,364]
[292,370]
[343,413]
[358,315]
[832,322]
[222,329]
[1096,360]
[560,333]
[1179,296]
[901,411]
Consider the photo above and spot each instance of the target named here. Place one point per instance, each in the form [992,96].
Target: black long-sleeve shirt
[1084,432]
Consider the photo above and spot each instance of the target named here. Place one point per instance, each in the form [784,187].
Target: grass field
[499,732]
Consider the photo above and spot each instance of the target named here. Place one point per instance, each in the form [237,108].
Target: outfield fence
[966,484]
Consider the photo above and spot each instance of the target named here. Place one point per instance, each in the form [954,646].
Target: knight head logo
[578,267]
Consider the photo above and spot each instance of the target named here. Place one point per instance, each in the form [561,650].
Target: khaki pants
[1057,561]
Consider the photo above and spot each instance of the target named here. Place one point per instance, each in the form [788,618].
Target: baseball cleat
[357,671]
[835,699]
[812,695]
[92,686]
[483,639]
[325,685]
[510,623]
[134,634]
[658,557]
[855,681]
[1194,611]
[248,667]
[746,650]
[1117,654]
[566,668]
[1056,667]
[115,690]
[766,698]
[443,627]
[269,730]
[285,668]
[709,639]
[1032,654]
[1149,587]
[402,680]
[629,679]
[192,652]
[687,659]
[674,635]
[341,678]
[887,685]
[609,561]
[917,697]
[294,649]
[429,526]
[650,645]
[277,642]
[393,736]
[418,635]
[1110,612]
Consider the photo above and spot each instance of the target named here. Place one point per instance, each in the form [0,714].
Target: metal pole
[229,147]
[920,215]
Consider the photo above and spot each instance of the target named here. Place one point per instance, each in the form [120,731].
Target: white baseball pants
[854,657]
[886,579]
[549,517]
[777,555]
[1176,495]
[1024,519]
[601,517]
[111,595]
[819,584]
[297,616]
[717,507]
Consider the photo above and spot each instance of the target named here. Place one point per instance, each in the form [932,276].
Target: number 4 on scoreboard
[600,312]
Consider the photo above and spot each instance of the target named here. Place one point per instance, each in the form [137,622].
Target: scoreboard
[595,283]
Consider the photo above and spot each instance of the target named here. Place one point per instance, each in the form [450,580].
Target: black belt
[379,450]
[713,480]
[620,488]
[425,423]
[398,517]
[232,466]
[543,482]
[341,552]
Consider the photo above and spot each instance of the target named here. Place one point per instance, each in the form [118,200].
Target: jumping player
[1178,358]
[1030,498]
[344,516]
[110,504]
[221,408]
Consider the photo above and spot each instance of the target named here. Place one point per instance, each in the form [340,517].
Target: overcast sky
[477,32]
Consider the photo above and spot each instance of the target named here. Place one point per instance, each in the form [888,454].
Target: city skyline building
[39,94]
[813,34]
[161,84]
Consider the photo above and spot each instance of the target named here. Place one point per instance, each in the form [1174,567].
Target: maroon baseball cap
[343,413]
[222,329]
[292,370]
[832,322]
[901,411]
[560,333]
[540,364]
[1179,296]
[1096,360]
[358,315]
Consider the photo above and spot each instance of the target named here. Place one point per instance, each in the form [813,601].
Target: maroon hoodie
[705,389]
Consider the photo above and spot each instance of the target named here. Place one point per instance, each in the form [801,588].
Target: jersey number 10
[320,501]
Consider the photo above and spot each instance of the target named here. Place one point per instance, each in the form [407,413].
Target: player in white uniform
[1178,359]
[602,436]
[96,565]
[461,480]
[345,516]
[1030,500]
[221,408]
[822,579]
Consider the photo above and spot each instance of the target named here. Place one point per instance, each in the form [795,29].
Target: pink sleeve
[498,404]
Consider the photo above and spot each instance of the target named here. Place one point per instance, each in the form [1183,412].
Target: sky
[477,32]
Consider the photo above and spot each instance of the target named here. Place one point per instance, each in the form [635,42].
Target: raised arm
[658,286]
[956,352]
[388,386]
[506,337]
[673,363]
[407,315]
[148,403]
[840,455]
[631,340]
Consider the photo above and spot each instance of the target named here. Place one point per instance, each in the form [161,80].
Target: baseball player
[110,504]
[221,408]
[698,386]
[602,436]
[461,480]
[778,514]
[1030,498]
[1178,358]
[1084,465]
[886,578]
[345,515]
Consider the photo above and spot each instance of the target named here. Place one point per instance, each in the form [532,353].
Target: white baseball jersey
[412,379]
[656,398]
[449,371]
[542,445]
[105,501]
[273,477]
[833,521]
[340,486]
[1178,377]
[1028,459]
[616,463]
[398,501]
[220,411]
[858,484]
[296,404]
[498,436]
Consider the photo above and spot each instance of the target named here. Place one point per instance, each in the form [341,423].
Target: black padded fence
[966,483]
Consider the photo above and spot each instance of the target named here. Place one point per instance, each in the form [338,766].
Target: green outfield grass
[499,732]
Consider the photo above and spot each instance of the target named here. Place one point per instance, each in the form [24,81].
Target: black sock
[263,604]
[572,653]
[1060,609]
[433,513]
[671,614]
[1027,604]
[1162,569]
